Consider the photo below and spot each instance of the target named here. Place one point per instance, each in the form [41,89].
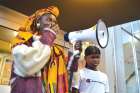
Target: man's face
[78,46]
[92,60]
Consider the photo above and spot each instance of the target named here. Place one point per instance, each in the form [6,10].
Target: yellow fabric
[21,37]
[52,89]
[55,73]
[53,69]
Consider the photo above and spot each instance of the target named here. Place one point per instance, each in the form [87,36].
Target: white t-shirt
[89,81]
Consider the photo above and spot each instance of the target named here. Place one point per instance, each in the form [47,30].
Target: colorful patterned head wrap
[52,9]
[25,34]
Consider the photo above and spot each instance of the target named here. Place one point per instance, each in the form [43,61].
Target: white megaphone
[98,33]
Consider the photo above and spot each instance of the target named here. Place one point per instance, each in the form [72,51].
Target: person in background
[39,64]
[74,57]
[90,79]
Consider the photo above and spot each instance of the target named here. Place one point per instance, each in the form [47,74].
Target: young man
[37,60]
[74,56]
[90,79]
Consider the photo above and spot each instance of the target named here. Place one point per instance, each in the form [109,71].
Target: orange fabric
[21,38]
[54,75]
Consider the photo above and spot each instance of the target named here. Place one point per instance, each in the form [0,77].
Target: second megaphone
[98,33]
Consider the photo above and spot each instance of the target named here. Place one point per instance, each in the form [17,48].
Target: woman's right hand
[48,37]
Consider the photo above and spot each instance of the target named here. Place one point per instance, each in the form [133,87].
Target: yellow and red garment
[54,74]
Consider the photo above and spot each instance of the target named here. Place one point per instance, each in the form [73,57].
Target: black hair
[92,50]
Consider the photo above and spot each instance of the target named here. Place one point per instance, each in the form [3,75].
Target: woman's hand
[48,37]
[55,28]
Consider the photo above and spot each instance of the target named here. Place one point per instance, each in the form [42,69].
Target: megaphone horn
[98,33]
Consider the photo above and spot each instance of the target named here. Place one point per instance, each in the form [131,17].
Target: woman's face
[49,21]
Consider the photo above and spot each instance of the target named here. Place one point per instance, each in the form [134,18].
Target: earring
[38,25]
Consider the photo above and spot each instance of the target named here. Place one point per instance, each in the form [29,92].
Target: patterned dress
[54,74]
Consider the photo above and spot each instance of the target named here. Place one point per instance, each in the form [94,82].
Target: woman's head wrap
[25,34]
[52,9]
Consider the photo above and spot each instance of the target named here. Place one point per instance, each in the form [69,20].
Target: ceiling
[81,14]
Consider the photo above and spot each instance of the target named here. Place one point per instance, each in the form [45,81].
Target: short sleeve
[107,86]
[76,80]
